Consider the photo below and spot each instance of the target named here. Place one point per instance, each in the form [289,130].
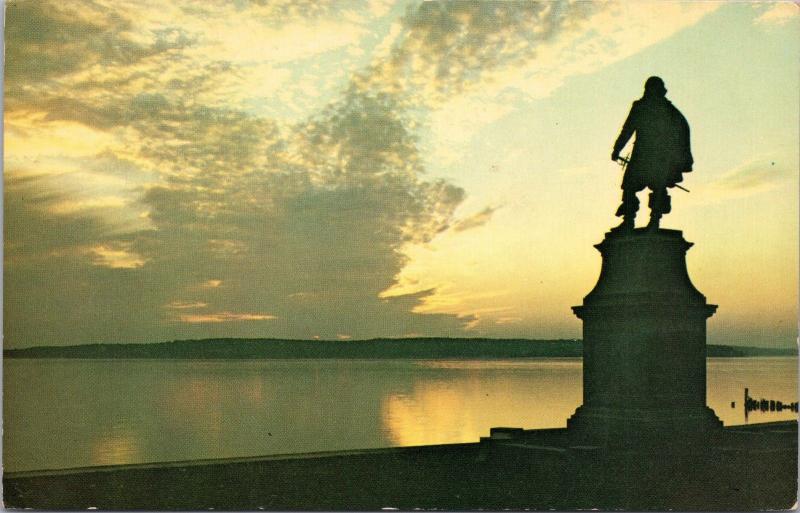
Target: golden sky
[182,169]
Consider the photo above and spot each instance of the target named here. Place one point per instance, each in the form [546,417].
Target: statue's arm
[627,132]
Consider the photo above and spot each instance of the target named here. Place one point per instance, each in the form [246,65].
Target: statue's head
[654,87]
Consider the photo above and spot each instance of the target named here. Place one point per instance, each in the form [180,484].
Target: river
[62,413]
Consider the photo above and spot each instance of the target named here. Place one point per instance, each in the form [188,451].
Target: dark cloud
[45,40]
[314,239]
[32,231]
[267,229]
[447,48]
[57,54]
[53,292]
[41,43]
[303,228]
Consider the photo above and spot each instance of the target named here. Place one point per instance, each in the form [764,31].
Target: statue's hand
[615,156]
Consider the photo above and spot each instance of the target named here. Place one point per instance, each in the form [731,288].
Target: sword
[623,161]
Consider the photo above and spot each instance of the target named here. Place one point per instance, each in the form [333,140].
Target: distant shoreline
[403,348]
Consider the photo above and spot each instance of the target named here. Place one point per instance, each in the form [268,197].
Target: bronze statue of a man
[661,153]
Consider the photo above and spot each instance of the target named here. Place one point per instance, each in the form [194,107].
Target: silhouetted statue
[661,153]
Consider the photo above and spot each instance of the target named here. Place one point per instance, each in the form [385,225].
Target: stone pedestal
[644,346]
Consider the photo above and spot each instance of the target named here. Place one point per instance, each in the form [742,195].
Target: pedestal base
[633,427]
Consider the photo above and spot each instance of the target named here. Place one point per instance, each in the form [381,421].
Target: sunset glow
[182,169]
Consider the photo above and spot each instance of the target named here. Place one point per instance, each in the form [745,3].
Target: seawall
[747,467]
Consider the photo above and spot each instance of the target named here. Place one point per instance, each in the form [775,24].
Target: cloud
[467,63]
[442,50]
[754,176]
[45,41]
[223,317]
[608,33]
[448,48]
[246,157]
[94,56]
[116,257]
[778,13]
[63,281]
[243,216]
[475,220]
[186,305]
[32,230]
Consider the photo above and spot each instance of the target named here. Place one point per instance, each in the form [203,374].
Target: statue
[661,154]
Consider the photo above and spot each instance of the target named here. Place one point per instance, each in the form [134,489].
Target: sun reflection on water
[464,404]
[115,449]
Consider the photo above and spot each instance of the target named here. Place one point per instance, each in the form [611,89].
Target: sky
[348,170]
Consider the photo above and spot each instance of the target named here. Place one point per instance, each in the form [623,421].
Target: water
[72,413]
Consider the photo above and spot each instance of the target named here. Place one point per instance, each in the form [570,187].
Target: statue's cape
[661,151]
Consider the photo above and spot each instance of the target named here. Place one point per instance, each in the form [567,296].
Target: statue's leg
[630,204]
[659,204]
[627,210]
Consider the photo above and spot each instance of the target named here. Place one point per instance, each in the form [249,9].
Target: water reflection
[69,413]
[771,377]
[467,398]
[115,449]
[765,405]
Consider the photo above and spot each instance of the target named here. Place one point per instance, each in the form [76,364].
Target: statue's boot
[660,204]
[653,225]
[626,226]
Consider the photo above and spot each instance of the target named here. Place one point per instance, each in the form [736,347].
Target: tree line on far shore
[402,348]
